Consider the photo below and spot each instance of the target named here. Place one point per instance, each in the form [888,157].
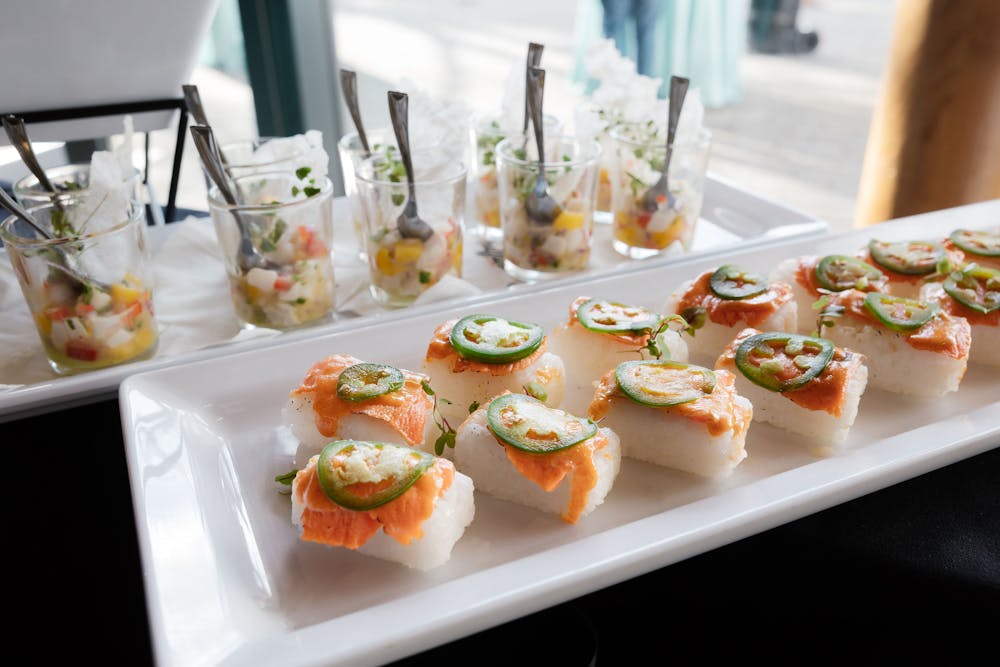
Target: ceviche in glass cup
[639,152]
[487,132]
[291,230]
[381,142]
[90,287]
[535,251]
[402,263]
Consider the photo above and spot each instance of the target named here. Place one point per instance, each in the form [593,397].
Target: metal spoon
[659,192]
[18,135]
[540,206]
[192,100]
[534,60]
[409,223]
[65,259]
[247,256]
[349,87]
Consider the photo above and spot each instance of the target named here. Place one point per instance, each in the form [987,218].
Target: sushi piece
[471,360]
[344,398]
[517,448]
[388,501]
[907,265]
[721,303]
[803,384]
[675,415]
[600,334]
[810,276]
[910,346]
[981,246]
[973,293]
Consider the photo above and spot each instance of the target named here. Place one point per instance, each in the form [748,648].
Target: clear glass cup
[533,251]
[243,157]
[404,263]
[594,120]
[381,141]
[293,232]
[639,151]
[89,289]
[73,179]
[486,134]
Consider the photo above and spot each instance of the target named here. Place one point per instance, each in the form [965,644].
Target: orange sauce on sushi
[718,411]
[440,348]
[945,334]
[730,312]
[958,309]
[548,470]
[405,409]
[402,518]
[805,274]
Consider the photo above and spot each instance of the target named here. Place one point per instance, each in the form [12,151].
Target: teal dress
[703,40]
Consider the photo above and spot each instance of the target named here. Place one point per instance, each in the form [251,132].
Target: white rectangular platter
[228,582]
[730,217]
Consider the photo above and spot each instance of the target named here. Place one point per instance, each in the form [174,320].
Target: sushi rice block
[809,274]
[907,265]
[973,293]
[387,501]
[981,246]
[675,415]
[799,383]
[516,448]
[600,334]
[343,398]
[726,300]
[473,359]
[910,346]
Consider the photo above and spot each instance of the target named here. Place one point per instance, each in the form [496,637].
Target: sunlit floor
[796,137]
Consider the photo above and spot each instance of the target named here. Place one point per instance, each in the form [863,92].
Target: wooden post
[934,140]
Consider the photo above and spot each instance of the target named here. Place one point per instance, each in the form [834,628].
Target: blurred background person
[774,28]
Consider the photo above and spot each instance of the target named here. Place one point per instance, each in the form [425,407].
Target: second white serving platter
[228,582]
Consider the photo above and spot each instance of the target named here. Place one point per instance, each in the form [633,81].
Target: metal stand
[121,109]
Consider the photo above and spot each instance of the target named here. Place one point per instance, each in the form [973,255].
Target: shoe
[806,42]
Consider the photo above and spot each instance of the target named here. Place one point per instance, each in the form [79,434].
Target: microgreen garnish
[286,478]
[447,437]
[473,406]
[302,172]
[827,312]
[425,277]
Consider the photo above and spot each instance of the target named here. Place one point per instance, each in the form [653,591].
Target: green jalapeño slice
[363,381]
[616,318]
[362,475]
[976,242]
[840,272]
[528,424]
[976,287]
[660,384]
[783,361]
[495,340]
[900,314]
[732,282]
[914,258]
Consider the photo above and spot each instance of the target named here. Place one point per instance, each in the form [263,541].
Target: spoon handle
[349,87]
[8,203]
[678,90]
[536,77]
[534,60]
[204,141]
[192,100]
[399,104]
[18,135]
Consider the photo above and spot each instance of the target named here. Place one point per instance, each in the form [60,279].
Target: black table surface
[908,572]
